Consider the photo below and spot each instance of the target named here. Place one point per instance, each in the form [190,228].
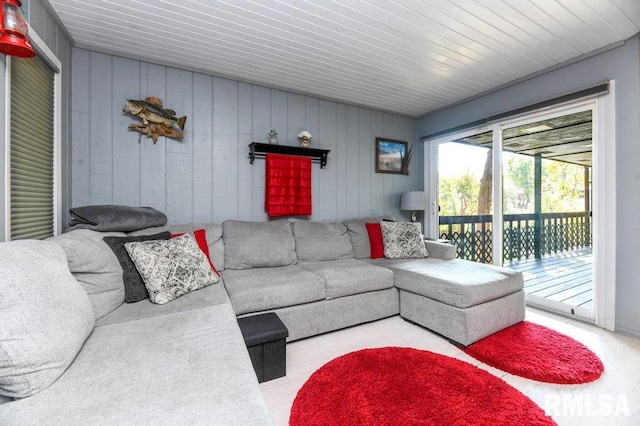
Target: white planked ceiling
[405,56]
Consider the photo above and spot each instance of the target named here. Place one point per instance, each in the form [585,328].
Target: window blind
[31,150]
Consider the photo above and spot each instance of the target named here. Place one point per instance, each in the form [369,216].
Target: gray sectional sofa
[185,362]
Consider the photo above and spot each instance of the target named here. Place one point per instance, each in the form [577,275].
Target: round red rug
[539,353]
[404,386]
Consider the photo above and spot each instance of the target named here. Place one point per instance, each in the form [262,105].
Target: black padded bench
[265,336]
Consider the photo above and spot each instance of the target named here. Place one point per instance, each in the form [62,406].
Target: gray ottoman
[459,299]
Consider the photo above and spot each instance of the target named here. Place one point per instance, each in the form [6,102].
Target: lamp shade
[413,200]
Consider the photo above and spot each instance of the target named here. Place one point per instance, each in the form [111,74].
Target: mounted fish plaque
[156,120]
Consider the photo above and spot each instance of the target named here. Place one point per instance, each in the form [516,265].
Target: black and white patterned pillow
[171,268]
[403,240]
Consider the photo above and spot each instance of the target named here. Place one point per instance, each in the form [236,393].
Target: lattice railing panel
[472,235]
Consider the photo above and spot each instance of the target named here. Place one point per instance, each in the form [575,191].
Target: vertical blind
[32,148]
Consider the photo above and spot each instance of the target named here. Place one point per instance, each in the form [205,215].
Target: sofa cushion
[349,276]
[403,240]
[187,368]
[258,244]
[455,282]
[134,288]
[441,250]
[213,233]
[95,266]
[45,316]
[359,236]
[317,241]
[208,296]
[259,289]
[171,268]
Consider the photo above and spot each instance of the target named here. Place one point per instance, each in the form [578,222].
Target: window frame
[50,59]
[604,189]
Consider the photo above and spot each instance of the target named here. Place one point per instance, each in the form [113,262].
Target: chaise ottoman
[463,301]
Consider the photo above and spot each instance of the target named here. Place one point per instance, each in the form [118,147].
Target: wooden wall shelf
[257,149]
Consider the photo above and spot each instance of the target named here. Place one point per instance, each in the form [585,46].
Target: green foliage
[518,185]
[563,188]
[459,196]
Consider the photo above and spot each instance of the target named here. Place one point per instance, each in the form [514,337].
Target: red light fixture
[13,31]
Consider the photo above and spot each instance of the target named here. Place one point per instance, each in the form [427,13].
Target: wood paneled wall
[207,177]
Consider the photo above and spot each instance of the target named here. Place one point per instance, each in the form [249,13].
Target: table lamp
[413,201]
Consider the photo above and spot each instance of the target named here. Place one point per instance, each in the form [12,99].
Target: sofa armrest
[439,250]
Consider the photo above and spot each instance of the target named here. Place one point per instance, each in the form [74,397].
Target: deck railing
[524,235]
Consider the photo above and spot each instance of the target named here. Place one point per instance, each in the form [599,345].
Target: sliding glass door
[547,202]
[519,194]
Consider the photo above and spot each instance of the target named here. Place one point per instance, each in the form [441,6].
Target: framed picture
[391,156]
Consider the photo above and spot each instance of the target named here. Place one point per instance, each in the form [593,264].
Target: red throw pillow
[375,239]
[201,237]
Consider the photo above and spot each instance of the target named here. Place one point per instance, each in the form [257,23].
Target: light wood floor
[619,385]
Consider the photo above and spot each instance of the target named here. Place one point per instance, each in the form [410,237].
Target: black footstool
[265,336]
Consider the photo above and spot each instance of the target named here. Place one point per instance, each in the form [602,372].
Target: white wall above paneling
[206,176]
[405,56]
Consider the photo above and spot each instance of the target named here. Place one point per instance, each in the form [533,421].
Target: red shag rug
[404,386]
[538,353]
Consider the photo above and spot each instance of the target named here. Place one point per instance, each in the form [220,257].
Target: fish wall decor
[156,120]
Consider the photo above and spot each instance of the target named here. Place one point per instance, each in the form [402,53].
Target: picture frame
[391,156]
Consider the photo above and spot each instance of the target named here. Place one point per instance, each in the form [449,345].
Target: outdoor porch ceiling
[567,138]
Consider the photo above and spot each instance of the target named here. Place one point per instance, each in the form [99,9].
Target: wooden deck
[564,277]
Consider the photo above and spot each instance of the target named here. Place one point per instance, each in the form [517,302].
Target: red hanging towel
[287,185]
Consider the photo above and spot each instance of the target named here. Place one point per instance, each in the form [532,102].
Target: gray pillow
[171,268]
[317,241]
[45,316]
[115,218]
[258,244]
[95,266]
[403,240]
[134,288]
[359,236]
